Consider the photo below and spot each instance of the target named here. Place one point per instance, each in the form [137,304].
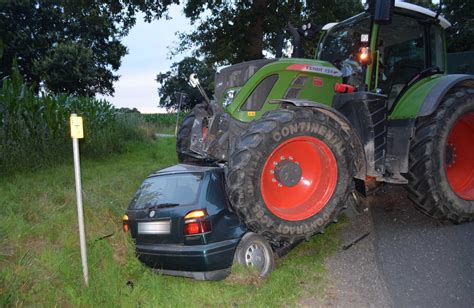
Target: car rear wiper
[161,206]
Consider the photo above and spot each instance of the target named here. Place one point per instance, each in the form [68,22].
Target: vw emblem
[152,214]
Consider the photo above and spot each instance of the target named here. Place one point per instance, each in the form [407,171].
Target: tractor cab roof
[404,7]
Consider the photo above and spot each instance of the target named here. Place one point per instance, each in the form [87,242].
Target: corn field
[34,129]
[163,118]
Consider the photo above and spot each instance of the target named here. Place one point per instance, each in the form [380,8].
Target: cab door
[407,46]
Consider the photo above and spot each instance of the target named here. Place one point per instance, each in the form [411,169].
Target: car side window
[215,190]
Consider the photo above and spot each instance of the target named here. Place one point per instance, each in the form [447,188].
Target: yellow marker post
[77,132]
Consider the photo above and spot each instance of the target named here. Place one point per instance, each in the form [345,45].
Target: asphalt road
[406,260]
[424,262]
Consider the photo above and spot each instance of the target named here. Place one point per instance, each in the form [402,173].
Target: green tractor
[301,139]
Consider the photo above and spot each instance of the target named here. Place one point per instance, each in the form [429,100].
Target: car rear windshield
[167,189]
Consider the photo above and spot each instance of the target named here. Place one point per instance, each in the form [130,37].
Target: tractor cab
[409,46]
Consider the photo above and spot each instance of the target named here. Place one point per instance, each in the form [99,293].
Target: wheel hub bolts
[287,173]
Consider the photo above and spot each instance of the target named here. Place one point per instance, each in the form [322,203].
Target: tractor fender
[446,83]
[360,161]
[424,96]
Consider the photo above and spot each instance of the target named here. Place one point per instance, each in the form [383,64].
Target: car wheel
[255,251]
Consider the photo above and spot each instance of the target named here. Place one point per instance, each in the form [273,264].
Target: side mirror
[193,80]
[382,11]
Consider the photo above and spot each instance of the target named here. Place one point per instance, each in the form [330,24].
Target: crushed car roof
[183,168]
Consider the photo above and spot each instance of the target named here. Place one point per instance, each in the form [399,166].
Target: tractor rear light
[343,88]
[195,222]
[125,225]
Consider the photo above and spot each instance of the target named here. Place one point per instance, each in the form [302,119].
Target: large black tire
[258,143]
[432,157]
[183,141]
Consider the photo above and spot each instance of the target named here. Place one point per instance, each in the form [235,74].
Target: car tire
[255,251]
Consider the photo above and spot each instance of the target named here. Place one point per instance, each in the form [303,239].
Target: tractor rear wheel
[441,177]
[290,174]
[183,141]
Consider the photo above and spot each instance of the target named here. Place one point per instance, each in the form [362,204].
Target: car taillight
[125,223]
[195,222]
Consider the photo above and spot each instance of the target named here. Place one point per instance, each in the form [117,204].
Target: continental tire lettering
[330,135]
[304,126]
[285,131]
[276,136]
[314,127]
[322,130]
[293,128]
[299,229]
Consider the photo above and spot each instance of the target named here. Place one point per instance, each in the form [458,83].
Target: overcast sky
[147,46]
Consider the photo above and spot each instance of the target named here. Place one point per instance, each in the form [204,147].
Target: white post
[76,133]
[177,113]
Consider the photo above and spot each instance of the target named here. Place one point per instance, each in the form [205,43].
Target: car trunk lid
[157,210]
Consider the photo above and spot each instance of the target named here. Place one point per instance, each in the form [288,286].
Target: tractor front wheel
[441,177]
[290,174]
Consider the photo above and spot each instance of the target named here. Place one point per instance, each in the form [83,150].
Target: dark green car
[182,225]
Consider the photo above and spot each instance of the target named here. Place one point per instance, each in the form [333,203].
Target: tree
[70,68]
[36,32]
[461,35]
[230,32]
[176,80]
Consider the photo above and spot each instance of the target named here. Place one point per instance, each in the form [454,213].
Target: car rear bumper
[210,275]
[195,261]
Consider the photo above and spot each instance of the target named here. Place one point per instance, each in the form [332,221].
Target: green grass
[40,258]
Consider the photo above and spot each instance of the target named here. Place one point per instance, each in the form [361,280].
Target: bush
[34,129]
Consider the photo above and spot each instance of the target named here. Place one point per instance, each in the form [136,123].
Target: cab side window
[437,47]
[402,48]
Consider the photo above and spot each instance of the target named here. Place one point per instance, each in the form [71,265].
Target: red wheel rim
[315,187]
[459,162]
